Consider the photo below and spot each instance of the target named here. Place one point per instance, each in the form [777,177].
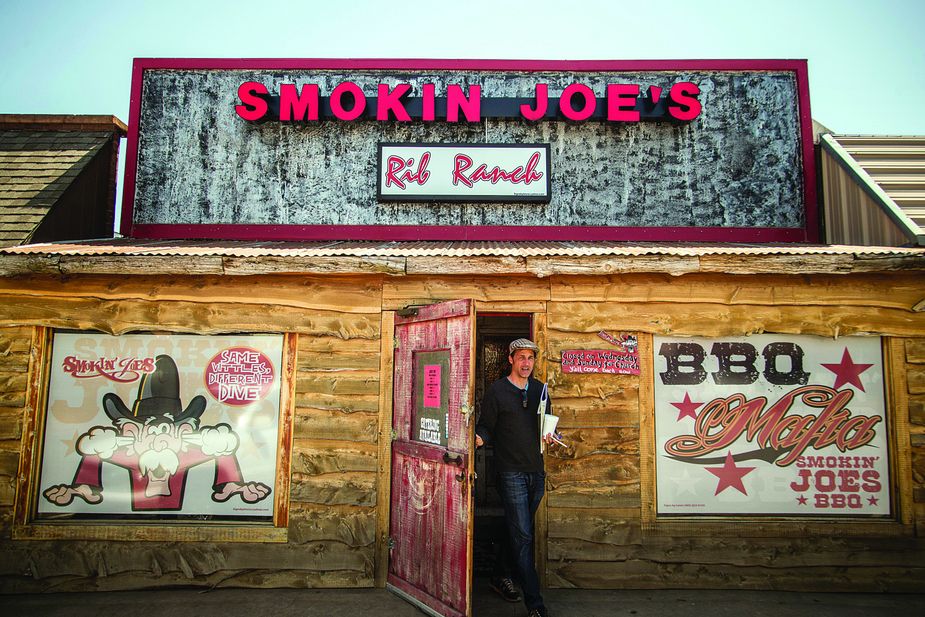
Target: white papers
[547,422]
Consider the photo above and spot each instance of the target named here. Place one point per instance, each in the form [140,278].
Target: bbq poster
[771,425]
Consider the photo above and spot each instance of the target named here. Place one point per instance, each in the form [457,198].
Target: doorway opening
[493,333]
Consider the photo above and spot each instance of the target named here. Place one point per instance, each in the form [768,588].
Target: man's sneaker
[504,587]
[538,612]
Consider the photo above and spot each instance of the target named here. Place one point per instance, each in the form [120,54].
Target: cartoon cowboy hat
[158,396]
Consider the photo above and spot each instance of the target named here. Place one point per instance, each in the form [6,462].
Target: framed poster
[771,425]
[160,426]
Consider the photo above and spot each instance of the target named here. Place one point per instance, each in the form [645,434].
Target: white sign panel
[464,172]
[771,424]
[161,426]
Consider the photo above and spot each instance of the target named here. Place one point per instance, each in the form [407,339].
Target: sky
[866,58]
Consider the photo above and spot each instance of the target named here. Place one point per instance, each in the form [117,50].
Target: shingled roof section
[41,157]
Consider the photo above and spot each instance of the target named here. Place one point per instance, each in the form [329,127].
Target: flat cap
[522,343]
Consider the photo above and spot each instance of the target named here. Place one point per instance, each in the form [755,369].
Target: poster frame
[898,524]
[27,526]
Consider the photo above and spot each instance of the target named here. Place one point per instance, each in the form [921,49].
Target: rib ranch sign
[771,425]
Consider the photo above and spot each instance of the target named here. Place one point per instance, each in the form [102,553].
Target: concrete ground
[378,602]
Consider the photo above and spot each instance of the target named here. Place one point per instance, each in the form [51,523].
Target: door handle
[456,459]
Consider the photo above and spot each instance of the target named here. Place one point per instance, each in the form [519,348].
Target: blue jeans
[521,493]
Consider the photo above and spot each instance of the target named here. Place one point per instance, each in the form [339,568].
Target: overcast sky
[866,59]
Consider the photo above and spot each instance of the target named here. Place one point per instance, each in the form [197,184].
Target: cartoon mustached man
[157,442]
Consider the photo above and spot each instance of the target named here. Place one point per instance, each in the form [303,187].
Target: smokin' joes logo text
[771,425]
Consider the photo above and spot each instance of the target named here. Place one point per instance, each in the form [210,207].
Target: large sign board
[644,150]
[771,425]
[150,426]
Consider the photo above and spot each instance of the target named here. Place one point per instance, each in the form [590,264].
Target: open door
[432,470]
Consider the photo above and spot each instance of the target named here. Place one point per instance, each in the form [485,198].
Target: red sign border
[809,233]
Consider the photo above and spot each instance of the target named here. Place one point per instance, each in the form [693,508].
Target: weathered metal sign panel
[287,149]
[771,425]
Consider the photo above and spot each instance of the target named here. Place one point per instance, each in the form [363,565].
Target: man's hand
[63,494]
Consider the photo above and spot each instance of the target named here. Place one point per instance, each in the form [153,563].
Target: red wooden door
[432,475]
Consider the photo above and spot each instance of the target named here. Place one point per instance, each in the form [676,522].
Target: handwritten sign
[431,396]
[600,361]
[432,385]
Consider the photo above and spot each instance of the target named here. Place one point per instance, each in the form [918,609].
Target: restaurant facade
[272,378]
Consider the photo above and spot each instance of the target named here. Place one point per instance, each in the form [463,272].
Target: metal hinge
[393,435]
[390,542]
[409,311]
[395,343]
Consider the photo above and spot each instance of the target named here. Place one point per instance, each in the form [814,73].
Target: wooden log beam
[618,469]
[339,294]
[119,317]
[898,291]
[595,495]
[400,292]
[718,320]
[655,575]
[319,457]
[351,488]
[335,424]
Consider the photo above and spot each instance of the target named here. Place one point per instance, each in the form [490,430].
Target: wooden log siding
[915,385]
[332,510]
[593,519]
[15,353]
[596,536]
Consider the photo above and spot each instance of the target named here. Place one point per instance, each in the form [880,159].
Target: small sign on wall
[622,360]
[464,172]
[600,361]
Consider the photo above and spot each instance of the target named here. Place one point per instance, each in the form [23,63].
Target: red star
[801,500]
[872,500]
[688,408]
[730,475]
[847,371]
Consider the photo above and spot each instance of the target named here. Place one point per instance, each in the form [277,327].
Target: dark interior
[493,334]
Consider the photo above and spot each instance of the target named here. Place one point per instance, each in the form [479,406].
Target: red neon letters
[577,103]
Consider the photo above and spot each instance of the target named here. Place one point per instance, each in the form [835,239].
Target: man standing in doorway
[510,423]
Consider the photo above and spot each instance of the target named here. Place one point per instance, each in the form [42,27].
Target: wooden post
[384,473]
[541,548]
[646,429]
[897,393]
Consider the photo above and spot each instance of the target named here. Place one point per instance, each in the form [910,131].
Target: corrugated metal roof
[893,170]
[134,247]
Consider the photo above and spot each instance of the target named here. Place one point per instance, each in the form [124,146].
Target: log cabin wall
[914,352]
[596,526]
[332,517]
[600,534]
